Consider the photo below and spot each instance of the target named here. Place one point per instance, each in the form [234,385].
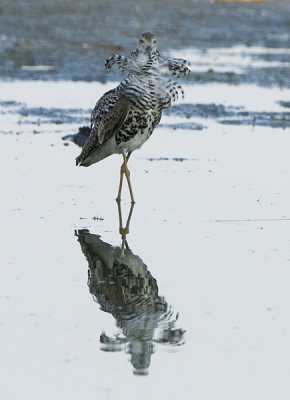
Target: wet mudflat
[69,40]
[194,302]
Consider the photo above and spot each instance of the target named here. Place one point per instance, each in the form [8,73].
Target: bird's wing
[106,122]
[176,66]
[114,119]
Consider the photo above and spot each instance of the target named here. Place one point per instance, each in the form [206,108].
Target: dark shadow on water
[121,284]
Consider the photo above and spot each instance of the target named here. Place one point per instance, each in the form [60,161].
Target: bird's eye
[142,40]
[154,40]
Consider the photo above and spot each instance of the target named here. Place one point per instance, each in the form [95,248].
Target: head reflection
[120,282]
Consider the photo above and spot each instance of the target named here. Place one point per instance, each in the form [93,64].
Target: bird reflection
[120,282]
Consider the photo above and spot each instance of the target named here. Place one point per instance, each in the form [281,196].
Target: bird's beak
[149,51]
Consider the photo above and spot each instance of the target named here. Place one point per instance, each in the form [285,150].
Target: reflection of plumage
[125,117]
[121,283]
[113,265]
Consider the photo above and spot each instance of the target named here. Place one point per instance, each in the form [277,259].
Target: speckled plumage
[125,117]
[175,66]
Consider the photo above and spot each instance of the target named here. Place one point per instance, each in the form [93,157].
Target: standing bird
[125,117]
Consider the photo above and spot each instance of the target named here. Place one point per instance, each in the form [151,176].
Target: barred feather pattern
[130,66]
[144,113]
[177,67]
[135,54]
[101,109]
[138,102]
[116,59]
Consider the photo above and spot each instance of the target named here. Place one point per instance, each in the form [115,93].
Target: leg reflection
[124,231]
[121,284]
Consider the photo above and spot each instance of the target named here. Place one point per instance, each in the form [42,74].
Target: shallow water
[202,295]
[69,40]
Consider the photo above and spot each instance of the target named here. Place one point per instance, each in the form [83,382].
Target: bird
[125,117]
[146,48]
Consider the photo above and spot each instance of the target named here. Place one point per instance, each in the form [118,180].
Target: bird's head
[147,44]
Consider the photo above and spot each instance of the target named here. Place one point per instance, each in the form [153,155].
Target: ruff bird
[125,117]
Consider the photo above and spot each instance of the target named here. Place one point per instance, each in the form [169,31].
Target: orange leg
[125,170]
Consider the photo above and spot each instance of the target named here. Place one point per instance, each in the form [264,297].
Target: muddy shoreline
[69,40]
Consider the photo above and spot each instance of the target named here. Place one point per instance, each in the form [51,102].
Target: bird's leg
[120,184]
[122,171]
[127,174]
[125,170]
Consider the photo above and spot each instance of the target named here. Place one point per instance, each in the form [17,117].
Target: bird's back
[100,111]
[125,117]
